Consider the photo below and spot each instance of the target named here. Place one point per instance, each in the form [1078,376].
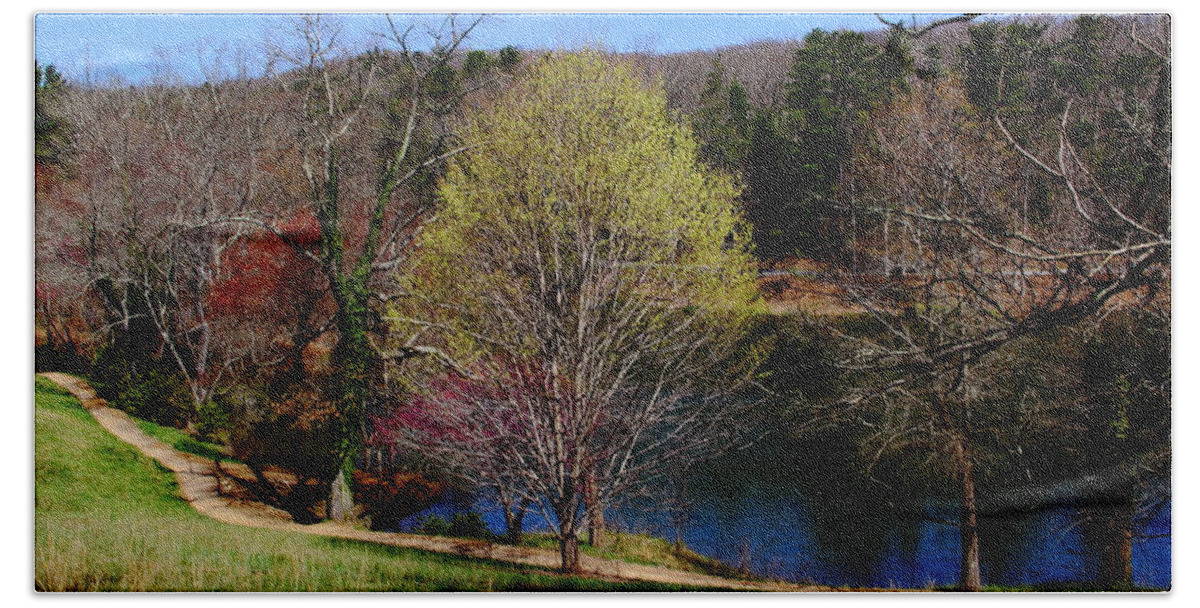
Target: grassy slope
[648,550]
[109,519]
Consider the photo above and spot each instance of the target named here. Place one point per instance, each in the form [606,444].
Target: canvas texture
[779,302]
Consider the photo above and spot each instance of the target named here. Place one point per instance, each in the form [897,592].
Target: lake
[832,527]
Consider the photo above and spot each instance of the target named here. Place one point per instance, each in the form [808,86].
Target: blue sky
[137,46]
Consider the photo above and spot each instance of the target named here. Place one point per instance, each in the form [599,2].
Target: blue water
[776,534]
[1152,556]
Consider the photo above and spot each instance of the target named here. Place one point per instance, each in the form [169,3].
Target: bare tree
[157,166]
[374,129]
[979,276]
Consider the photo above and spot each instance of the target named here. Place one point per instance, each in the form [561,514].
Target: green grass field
[108,518]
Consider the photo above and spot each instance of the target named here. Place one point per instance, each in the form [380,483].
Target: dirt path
[198,485]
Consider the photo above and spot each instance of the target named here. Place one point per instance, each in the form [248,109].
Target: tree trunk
[514,523]
[744,557]
[568,545]
[354,361]
[514,508]
[567,512]
[970,576]
[595,513]
[597,535]
[341,497]
[1116,553]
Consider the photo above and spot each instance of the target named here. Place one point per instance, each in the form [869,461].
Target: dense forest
[566,279]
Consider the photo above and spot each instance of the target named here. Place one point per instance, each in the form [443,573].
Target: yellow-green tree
[594,282]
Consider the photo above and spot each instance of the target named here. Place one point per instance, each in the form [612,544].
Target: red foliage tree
[263,276]
[273,298]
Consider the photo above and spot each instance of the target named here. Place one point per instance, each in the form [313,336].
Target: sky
[137,47]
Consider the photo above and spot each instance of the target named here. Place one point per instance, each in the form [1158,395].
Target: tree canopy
[588,265]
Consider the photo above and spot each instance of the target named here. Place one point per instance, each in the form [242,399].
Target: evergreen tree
[50,139]
[774,178]
[722,122]
[836,81]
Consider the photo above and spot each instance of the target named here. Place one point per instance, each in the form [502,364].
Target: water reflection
[828,526]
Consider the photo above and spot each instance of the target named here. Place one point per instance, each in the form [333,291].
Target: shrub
[469,524]
[465,524]
[160,397]
[147,389]
[213,421]
[53,357]
[112,372]
[434,525]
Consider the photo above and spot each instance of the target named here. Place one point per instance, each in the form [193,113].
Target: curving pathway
[198,479]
